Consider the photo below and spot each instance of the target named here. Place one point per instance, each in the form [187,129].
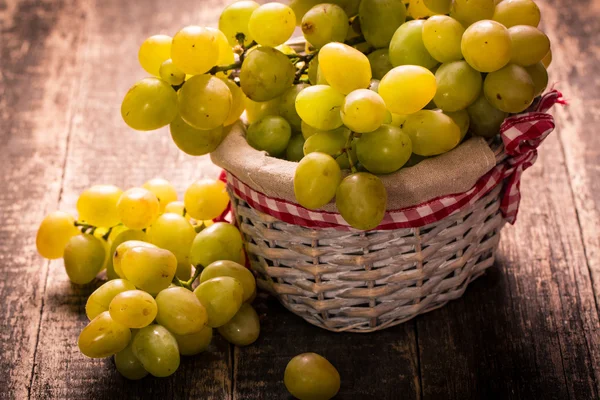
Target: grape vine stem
[188,284]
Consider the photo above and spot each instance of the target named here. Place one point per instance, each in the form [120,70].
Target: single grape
[266,73]
[307,130]
[407,48]
[206,199]
[295,149]
[331,143]
[486,46]
[458,86]
[333,61]
[134,309]
[55,231]
[163,189]
[180,311]
[195,50]
[173,232]
[194,343]
[517,12]
[221,297]
[103,337]
[379,19]
[418,10]
[221,241]
[84,257]
[184,271]
[149,104]
[156,348]
[204,102]
[407,89]
[192,141]
[257,110]
[138,208]
[234,19]
[316,179]
[319,106]
[177,207]
[301,7]
[226,55]
[128,365]
[431,132]
[169,73]
[398,119]
[325,23]
[243,329]
[547,60]
[271,134]
[287,106]
[485,118]
[153,52]
[442,36]
[361,199]
[460,118]
[438,6]
[385,150]
[272,24]
[120,235]
[363,111]
[529,45]
[149,269]
[467,12]
[234,270]
[539,76]
[380,63]
[374,86]
[313,70]
[509,89]
[98,205]
[310,376]
[100,299]
[238,102]
[122,248]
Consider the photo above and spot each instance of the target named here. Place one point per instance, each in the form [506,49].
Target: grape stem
[86,228]
[188,284]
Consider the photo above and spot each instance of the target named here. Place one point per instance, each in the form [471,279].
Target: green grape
[192,141]
[180,311]
[138,208]
[258,110]
[204,102]
[103,337]
[234,19]
[226,55]
[55,231]
[272,24]
[321,80]
[517,12]
[149,104]
[539,76]
[153,52]
[325,23]
[547,60]
[243,329]
[295,149]
[238,102]
[98,205]
[149,269]
[380,63]
[156,348]
[173,232]
[418,10]
[170,73]
[407,48]
[319,106]
[134,309]
[486,46]
[310,376]
[122,235]
[460,118]
[438,6]
[385,150]
[407,89]
[301,7]
[442,37]
[184,271]
[220,241]
[363,111]
[458,86]
[234,270]
[509,89]
[163,189]
[307,130]
[361,199]
[194,343]
[467,12]
[431,132]
[221,297]
[266,73]
[194,50]
[333,61]
[206,199]
[271,134]
[529,45]
[128,365]
[100,299]
[379,19]
[84,257]
[328,142]
[287,106]
[177,207]
[316,179]
[122,248]
[398,119]
[313,70]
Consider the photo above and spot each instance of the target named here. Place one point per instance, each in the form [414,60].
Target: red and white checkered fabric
[521,135]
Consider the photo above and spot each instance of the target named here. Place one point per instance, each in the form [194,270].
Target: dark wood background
[528,329]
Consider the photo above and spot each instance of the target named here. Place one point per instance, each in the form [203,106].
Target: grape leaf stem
[188,284]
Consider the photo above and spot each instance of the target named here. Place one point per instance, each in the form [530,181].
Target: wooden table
[528,329]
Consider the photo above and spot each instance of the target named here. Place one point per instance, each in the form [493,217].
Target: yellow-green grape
[156,348]
[221,297]
[418,10]
[467,12]
[442,36]
[310,376]
[163,189]
[380,63]
[98,205]
[379,19]
[301,7]
[486,46]
[177,207]
[234,270]
[226,56]
[153,52]
[287,106]
[460,118]
[539,76]
[313,70]
[204,102]
[361,199]
[192,141]
[517,12]
[122,248]
[325,23]
[407,48]
[175,233]
[321,80]
[431,132]
[103,337]
[333,61]
[438,6]
[363,111]
[238,102]
[547,60]
[271,134]
[398,119]
[123,236]
[184,271]
[272,24]
[244,328]
[319,106]
[407,89]
[206,199]
[385,150]
[374,86]
[328,142]
[234,19]
[133,308]
[100,299]
[149,104]
[509,89]
[295,149]
[84,257]
[149,269]
[266,73]
[257,110]
[220,241]
[194,343]
[195,50]
[138,208]
[55,231]
[458,86]
[307,130]
[316,179]
[529,45]
[180,311]
[128,365]
[170,73]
